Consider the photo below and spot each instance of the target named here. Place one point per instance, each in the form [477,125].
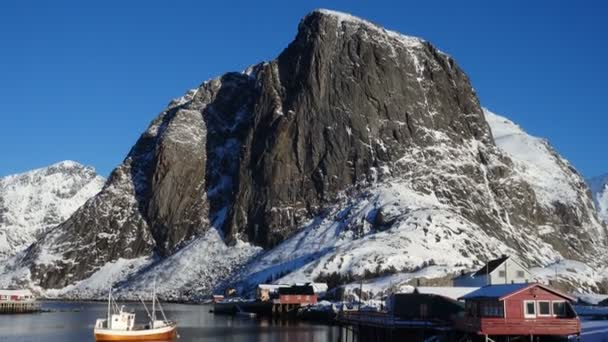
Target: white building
[503,270]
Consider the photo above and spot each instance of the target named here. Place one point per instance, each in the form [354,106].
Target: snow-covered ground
[185,275]
[573,272]
[34,201]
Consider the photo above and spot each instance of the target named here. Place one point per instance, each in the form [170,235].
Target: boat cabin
[519,309]
[118,321]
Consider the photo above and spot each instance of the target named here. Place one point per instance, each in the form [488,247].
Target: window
[520,274]
[471,308]
[501,274]
[529,309]
[559,309]
[492,309]
[544,308]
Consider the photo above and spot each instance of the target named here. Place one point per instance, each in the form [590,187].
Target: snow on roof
[271,287]
[495,291]
[449,292]
[319,287]
[19,293]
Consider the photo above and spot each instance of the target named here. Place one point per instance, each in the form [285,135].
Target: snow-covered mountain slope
[556,182]
[599,189]
[429,239]
[34,201]
[357,153]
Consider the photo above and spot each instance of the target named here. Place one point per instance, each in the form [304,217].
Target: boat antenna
[154,303]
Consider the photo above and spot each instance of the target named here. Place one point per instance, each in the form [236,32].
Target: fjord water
[73,322]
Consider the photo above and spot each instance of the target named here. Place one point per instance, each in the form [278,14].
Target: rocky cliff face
[33,202]
[599,190]
[354,138]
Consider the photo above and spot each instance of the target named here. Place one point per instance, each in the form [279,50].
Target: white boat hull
[157,334]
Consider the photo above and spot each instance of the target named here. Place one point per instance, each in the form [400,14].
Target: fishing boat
[120,324]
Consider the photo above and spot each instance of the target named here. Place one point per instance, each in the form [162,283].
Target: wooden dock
[17,307]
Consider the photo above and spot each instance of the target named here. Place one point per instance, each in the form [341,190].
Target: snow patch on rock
[599,189]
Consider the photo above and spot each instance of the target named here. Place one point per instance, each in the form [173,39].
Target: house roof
[297,290]
[271,287]
[503,291]
[448,292]
[491,266]
[495,291]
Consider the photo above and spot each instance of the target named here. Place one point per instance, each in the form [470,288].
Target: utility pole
[360,294]
[488,279]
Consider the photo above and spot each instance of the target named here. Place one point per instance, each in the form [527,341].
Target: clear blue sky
[81,80]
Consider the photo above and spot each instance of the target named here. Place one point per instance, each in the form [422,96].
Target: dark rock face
[254,154]
[339,103]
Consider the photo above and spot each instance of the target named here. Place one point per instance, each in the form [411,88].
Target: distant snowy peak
[556,183]
[537,161]
[599,189]
[34,201]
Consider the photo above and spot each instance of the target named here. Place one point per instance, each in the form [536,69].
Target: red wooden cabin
[297,294]
[519,309]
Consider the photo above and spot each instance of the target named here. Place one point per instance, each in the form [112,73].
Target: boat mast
[109,309]
[154,304]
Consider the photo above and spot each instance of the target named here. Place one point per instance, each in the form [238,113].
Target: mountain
[357,153]
[599,189]
[33,202]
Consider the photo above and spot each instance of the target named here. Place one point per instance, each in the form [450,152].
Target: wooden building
[503,270]
[267,292]
[424,307]
[18,301]
[297,294]
[518,310]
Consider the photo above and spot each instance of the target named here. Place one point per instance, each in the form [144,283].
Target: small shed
[424,307]
[519,310]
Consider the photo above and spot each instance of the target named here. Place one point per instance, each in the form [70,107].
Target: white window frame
[558,301]
[526,314]
[538,308]
[520,274]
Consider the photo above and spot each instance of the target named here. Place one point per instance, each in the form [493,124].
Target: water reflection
[74,322]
